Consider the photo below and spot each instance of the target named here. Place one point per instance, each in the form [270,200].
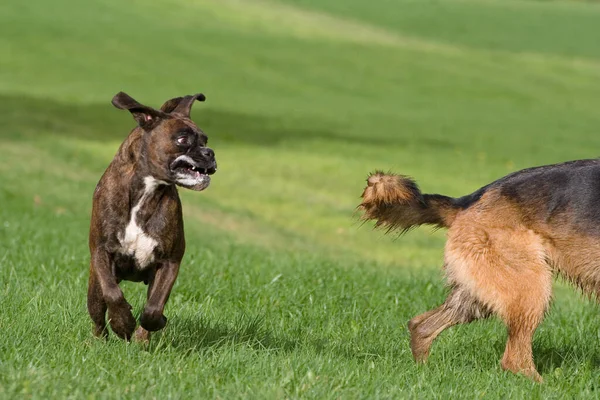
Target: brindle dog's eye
[183,141]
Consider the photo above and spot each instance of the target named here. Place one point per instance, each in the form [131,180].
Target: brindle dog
[136,230]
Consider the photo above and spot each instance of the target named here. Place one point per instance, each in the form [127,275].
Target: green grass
[283,294]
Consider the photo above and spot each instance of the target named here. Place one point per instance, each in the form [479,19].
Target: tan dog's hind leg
[524,309]
[505,269]
[458,308]
[518,356]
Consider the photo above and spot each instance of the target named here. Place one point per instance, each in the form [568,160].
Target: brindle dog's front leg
[104,291]
[159,289]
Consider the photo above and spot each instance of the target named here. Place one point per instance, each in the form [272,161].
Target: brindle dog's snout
[207,153]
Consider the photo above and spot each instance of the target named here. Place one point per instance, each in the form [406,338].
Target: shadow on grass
[188,335]
[549,358]
[27,118]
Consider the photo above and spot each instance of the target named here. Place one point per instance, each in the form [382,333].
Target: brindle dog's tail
[396,203]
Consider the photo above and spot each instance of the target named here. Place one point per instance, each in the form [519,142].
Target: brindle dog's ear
[146,117]
[170,105]
[182,105]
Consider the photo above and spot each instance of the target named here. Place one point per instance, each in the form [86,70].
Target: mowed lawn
[283,293]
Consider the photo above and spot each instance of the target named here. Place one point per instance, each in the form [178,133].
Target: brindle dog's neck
[135,172]
[145,191]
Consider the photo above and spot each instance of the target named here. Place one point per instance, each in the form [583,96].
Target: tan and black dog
[136,230]
[505,241]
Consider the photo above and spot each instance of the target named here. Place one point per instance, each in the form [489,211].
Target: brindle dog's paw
[100,331]
[122,321]
[152,321]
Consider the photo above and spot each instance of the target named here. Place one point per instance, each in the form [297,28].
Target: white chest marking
[135,242]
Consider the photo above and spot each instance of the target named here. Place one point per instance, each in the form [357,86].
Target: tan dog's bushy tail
[396,203]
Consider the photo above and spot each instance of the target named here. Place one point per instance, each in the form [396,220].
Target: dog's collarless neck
[144,188]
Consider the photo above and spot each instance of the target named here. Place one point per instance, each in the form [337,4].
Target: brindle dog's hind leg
[96,305]
[141,335]
[104,292]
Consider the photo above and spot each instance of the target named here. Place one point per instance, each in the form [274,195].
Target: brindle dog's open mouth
[191,174]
